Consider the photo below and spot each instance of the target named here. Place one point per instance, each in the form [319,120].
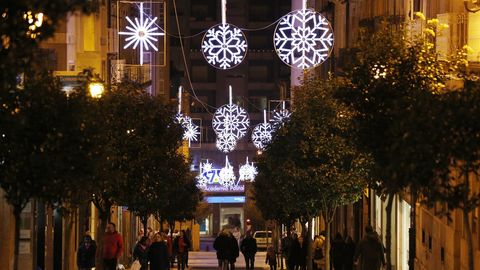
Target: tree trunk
[466,219]
[468,231]
[308,242]
[327,244]
[388,233]
[16,213]
[412,233]
[144,220]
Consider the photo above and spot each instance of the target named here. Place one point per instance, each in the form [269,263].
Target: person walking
[285,242]
[86,253]
[349,252]
[248,246]
[294,252]
[301,260]
[158,254]
[232,250]
[337,252]
[318,255]
[271,258]
[112,247]
[369,254]
[140,252]
[220,245]
[181,245]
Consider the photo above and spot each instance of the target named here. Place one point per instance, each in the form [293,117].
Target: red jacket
[112,245]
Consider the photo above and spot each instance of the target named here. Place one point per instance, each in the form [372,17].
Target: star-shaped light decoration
[206,166]
[303,39]
[248,172]
[142,32]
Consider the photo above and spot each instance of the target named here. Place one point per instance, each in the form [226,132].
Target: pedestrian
[349,252]
[181,245]
[158,253]
[318,255]
[140,252]
[232,250]
[294,252]
[171,255]
[112,247]
[220,245]
[337,252]
[369,254]
[188,235]
[301,261]
[86,253]
[271,258]
[248,246]
[285,247]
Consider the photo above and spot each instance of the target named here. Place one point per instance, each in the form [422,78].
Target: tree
[395,83]
[312,161]
[40,149]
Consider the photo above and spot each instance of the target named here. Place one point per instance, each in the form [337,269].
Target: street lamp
[472,5]
[96,89]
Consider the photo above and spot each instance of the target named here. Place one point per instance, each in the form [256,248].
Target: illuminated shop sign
[225,199]
[213,183]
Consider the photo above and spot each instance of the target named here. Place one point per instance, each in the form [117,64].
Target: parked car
[263,238]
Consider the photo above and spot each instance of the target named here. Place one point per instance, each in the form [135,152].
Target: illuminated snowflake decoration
[202,181]
[142,32]
[262,135]
[303,39]
[230,120]
[191,132]
[280,118]
[227,176]
[224,46]
[248,172]
[226,144]
[206,167]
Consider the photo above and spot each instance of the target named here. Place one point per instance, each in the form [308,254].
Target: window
[204,10]
[430,244]
[260,40]
[260,11]
[259,72]
[442,254]
[257,104]
[202,73]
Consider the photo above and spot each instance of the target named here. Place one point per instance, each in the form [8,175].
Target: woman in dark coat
[349,252]
[337,252]
[294,252]
[158,254]
[86,253]
[140,252]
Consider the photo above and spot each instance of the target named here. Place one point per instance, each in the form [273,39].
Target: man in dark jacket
[227,249]
[249,248]
[86,253]
[370,251]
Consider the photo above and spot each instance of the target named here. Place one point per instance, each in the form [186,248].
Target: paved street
[208,260]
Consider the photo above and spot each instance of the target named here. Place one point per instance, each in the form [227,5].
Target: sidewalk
[206,260]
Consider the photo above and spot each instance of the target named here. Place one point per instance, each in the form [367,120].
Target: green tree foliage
[395,85]
[312,161]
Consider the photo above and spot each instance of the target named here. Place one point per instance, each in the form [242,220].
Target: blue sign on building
[225,199]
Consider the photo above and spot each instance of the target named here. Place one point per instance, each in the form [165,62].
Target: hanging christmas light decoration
[224,46]
[206,166]
[280,117]
[191,132]
[226,144]
[142,32]
[227,176]
[262,133]
[248,172]
[202,181]
[303,38]
[230,122]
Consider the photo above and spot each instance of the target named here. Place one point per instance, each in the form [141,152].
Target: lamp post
[96,89]
[472,5]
